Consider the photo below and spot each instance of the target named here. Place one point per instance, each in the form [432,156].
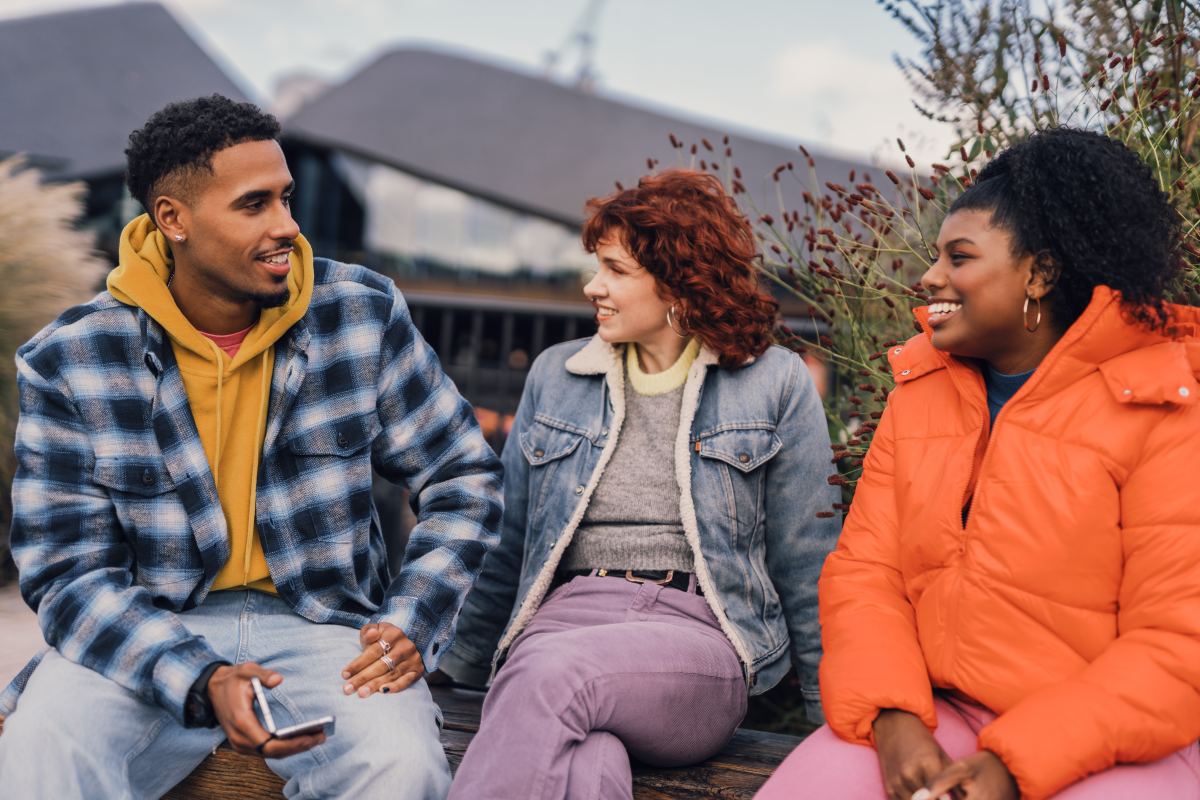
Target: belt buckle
[629,576]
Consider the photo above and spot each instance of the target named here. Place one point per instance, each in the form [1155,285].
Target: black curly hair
[179,141]
[1089,209]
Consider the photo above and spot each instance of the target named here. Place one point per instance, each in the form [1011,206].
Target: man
[193,497]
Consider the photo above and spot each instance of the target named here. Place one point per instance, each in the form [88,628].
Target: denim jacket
[752,461]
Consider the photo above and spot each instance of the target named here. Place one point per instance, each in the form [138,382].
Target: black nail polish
[386,690]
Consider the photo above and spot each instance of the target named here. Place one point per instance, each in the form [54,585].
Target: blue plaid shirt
[117,524]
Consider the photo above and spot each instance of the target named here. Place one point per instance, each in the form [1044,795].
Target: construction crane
[581,40]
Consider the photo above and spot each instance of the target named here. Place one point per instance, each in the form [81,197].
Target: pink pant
[826,766]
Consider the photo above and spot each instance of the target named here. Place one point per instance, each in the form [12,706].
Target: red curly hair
[682,228]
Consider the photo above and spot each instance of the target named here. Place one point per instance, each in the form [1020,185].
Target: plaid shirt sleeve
[432,444]
[76,567]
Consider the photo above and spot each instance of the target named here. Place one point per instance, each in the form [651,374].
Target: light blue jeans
[76,734]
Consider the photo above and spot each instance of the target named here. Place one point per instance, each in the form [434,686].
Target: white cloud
[855,104]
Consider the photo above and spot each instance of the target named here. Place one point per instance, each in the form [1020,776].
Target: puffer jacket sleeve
[1139,700]
[872,657]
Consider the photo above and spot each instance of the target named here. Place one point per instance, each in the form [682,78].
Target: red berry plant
[847,251]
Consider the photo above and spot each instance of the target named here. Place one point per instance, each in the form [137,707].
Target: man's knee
[393,741]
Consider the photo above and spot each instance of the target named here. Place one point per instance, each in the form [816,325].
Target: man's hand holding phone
[232,694]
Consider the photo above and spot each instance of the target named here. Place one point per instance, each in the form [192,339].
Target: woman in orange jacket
[1013,608]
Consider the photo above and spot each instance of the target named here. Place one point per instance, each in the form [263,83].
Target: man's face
[239,224]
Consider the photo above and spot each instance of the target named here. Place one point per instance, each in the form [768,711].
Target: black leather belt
[670,577]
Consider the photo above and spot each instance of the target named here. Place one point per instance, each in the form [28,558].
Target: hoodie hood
[140,279]
[229,398]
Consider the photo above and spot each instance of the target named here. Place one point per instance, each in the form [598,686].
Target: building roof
[520,140]
[77,82]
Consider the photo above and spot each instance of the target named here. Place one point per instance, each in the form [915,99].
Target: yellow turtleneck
[660,382]
[228,397]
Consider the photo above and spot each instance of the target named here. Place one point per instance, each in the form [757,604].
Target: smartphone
[305,728]
[325,723]
[260,697]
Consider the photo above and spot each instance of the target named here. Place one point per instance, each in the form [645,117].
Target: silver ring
[386,645]
[386,659]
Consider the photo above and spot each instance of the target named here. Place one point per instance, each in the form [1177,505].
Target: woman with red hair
[667,514]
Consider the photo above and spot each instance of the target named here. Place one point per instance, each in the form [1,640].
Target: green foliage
[46,265]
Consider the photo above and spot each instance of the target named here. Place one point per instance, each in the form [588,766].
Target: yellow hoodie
[228,397]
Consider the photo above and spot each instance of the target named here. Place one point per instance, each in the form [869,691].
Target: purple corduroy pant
[826,766]
[605,670]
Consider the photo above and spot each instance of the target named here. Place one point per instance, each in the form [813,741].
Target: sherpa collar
[598,356]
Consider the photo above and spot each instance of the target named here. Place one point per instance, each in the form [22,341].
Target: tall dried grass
[47,264]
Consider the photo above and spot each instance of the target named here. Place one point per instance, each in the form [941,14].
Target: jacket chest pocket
[151,516]
[732,458]
[328,475]
[547,445]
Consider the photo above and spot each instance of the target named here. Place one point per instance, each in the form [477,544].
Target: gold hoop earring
[1025,313]
[673,324]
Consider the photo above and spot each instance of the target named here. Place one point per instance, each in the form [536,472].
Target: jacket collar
[1138,365]
[598,356]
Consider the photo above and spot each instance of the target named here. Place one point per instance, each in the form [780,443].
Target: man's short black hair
[180,140]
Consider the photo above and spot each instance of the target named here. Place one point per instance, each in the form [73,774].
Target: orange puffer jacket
[1069,602]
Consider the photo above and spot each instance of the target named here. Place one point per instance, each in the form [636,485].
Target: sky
[808,72]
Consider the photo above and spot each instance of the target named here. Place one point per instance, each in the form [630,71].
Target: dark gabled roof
[74,84]
[520,140]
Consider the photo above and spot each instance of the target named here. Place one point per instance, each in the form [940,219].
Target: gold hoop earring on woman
[1025,312]
[674,325]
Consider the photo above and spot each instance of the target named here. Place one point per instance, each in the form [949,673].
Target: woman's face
[624,293]
[977,291]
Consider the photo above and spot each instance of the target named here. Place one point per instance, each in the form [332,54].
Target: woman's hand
[979,776]
[909,756]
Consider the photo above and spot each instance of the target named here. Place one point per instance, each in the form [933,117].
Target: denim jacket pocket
[743,446]
[732,457]
[548,439]
[546,444]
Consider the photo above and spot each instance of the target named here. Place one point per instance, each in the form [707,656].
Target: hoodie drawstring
[264,397]
[219,355]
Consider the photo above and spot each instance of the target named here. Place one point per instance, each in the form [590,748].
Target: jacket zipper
[969,495]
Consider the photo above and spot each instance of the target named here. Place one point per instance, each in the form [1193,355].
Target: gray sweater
[633,520]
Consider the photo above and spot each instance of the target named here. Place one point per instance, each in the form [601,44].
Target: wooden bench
[735,772]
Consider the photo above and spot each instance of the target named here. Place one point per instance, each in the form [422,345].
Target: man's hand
[909,756]
[370,673]
[233,702]
[979,776]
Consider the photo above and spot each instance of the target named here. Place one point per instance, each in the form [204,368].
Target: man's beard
[273,299]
